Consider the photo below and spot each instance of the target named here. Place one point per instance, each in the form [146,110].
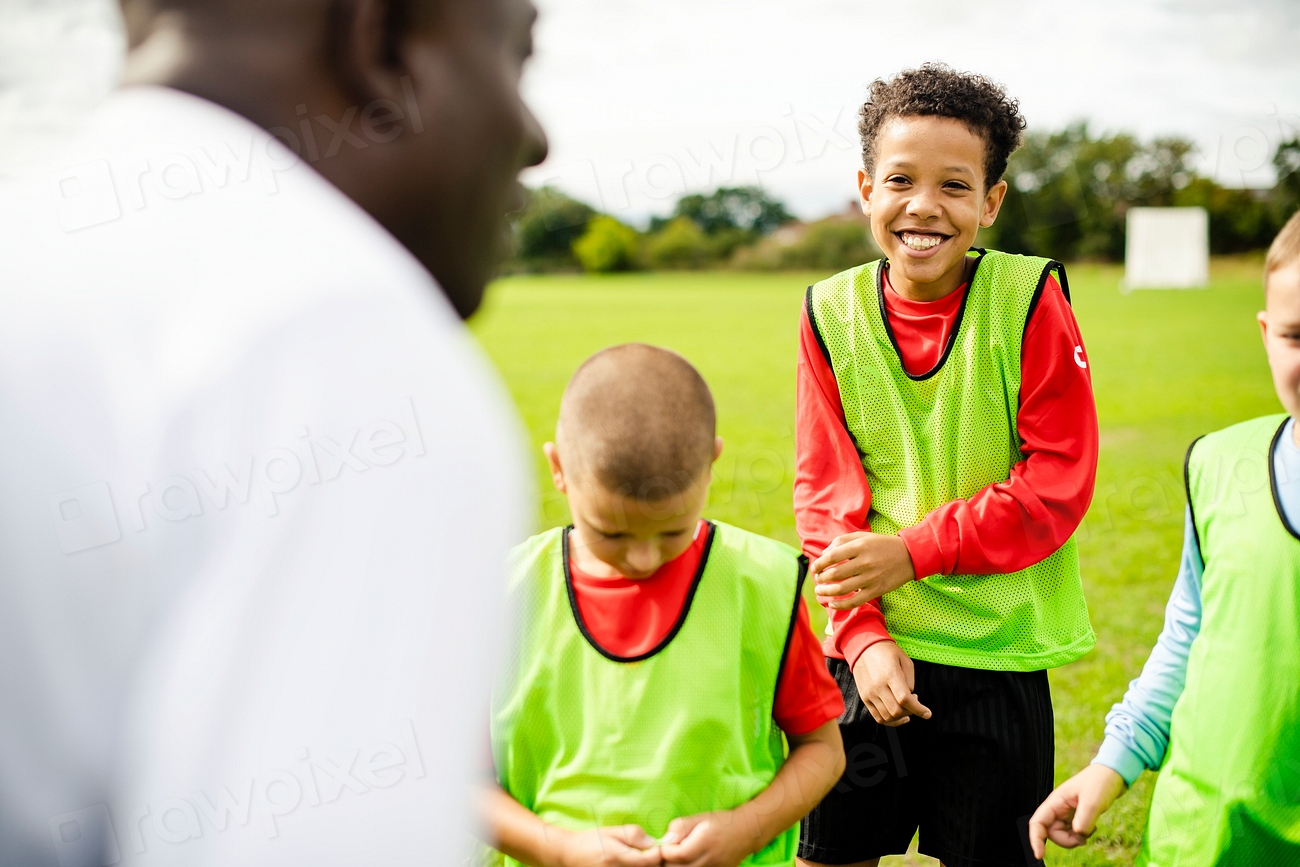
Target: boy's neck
[950,282]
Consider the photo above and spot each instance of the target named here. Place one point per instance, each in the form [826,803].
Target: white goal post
[1167,248]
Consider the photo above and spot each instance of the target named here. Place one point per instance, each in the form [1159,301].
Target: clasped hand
[704,840]
[858,567]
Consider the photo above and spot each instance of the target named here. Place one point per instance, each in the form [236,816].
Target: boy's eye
[957,185]
[895,179]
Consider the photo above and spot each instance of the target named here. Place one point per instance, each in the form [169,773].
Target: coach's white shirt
[256,483]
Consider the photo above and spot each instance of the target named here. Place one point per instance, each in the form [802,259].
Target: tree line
[1068,197]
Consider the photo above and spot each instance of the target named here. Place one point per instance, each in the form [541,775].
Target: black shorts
[969,777]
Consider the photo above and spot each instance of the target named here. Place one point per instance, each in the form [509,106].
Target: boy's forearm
[815,763]
[517,832]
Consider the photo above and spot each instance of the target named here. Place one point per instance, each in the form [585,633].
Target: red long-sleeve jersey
[1006,526]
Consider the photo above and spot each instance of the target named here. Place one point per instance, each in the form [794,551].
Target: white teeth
[921,242]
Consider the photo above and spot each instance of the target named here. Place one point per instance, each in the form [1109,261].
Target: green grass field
[1167,366]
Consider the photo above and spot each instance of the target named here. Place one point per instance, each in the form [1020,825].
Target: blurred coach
[256,481]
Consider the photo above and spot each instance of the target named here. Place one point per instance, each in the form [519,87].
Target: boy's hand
[886,677]
[1069,815]
[859,567]
[708,840]
[616,846]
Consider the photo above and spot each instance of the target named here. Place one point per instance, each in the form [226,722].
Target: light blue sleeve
[1137,729]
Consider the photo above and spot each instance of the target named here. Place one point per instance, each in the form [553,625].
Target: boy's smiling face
[927,200]
[1279,324]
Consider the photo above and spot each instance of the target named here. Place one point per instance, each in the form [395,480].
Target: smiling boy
[665,661]
[946,452]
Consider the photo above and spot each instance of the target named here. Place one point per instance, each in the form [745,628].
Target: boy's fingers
[913,706]
[875,711]
[1062,835]
[889,706]
[902,690]
[635,835]
[839,572]
[637,858]
[842,602]
[680,827]
[1038,839]
[1085,816]
[1045,815]
[842,549]
[689,849]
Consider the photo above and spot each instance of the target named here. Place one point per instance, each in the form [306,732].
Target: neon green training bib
[585,739]
[927,440]
[1229,792]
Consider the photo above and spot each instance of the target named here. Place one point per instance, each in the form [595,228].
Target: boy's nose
[643,559]
[922,204]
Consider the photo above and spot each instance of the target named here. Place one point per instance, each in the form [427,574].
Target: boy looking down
[946,447]
[665,661]
[1217,706]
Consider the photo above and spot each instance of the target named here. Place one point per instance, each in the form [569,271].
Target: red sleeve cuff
[856,635]
[923,548]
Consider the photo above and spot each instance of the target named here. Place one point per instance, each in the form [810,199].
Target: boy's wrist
[555,847]
[859,634]
[748,828]
[1114,754]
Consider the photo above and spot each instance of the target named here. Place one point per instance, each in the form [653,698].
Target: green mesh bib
[1229,792]
[585,739]
[927,440]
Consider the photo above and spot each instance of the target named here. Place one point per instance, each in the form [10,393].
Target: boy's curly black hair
[938,90]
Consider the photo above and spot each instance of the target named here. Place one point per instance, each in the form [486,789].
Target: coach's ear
[993,203]
[557,471]
[717,448]
[367,59]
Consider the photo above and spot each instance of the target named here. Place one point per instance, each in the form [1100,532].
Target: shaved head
[639,420]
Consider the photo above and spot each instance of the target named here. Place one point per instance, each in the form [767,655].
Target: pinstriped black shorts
[968,778]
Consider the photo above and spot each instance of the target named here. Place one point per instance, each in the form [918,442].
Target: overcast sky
[646,99]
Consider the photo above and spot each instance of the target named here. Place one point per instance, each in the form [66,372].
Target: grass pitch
[1166,366]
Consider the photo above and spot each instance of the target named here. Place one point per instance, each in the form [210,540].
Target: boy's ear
[717,447]
[557,471]
[864,191]
[993,203]
[1262,318]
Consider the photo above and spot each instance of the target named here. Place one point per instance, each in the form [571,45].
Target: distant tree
[607,245]
[1286,195]
[679,244]
[1240,220]
[1069,191]
[547,228]
[748,209]
[831,245]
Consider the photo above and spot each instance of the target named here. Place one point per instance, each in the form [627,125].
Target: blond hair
[1285,249]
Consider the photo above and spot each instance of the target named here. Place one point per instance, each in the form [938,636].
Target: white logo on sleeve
[1078,357]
